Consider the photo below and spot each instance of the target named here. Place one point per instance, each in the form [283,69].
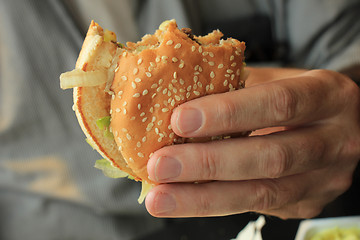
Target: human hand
[301,156]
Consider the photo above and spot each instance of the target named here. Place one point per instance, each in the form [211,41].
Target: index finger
[287,102]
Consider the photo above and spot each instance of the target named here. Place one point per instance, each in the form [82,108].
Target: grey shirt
[48,185]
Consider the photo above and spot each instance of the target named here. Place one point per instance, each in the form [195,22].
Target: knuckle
[209,165]
[305,211]
[265,196]
[203,207]
[284,104]
[277,161]
[227,113]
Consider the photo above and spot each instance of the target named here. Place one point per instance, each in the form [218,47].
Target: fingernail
[167,168]
[164,204]
[189,120]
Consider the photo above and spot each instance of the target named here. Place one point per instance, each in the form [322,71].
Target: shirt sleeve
[324,34]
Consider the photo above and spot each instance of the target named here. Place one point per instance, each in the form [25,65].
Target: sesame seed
[142,114]
[221,65]
[169,93]
[117,69]
[181,65]
[226,82]
[173,102]
[160,122]
[111,111]
[161,135]
[171,135]
[237,53]
[207,88]
[138,144]
[135,71]
[196,78]
[124,54]
[175,74]
[174,59]
[233,64]
[139,106]
[200,69]
[205,53]
[157,105]
[182,82]
[169,127]
[154,86]
[124,111]
[227,75]
[169,42]
[171,86]
[211,63]
[189,88]
[212,86]
[177,46]
[139,61]
[144,119]
[117,110]
[212,74]
[148,74]
[200,49]
[136,95]
[165,91]
[133,85]
[232,57]
[158,89]
[161,81]
[175,90]
[140,154]
[232,76]
[143,139]
[120,148]
[151,110]
[113,97]
[131,160]
[132,118]
[124,130]
[205,60]
[128,136]
[193,48]
[145,92]
[119,140]
[188,94]
[229,71]
[124,78]
[153,119]
[120,93]
[156,130]
[157,59]
[153,96]
[152,64]
[211,54]
[174,81]
[177,98]
[150,68]
[238,72]
[197,93]
[165,110]
[199,84]
[164,59]
[149,126]
[160,139]
[125,103]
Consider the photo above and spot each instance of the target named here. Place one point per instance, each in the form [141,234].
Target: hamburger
[124,95]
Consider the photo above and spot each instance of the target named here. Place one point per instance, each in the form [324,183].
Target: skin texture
[301,156]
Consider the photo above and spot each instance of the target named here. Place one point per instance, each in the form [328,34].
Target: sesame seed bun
[148,80]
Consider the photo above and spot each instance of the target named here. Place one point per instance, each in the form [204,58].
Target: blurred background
[48,186]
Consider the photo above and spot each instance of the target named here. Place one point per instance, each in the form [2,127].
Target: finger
[272,156]
[222,198]
[286,102]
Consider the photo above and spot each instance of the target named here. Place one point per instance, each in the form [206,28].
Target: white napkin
[252,231]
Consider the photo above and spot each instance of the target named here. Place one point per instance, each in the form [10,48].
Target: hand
[301,156]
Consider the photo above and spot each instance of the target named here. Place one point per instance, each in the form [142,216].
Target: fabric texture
[48,185]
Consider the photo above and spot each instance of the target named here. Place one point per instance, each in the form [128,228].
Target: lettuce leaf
[109,170]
